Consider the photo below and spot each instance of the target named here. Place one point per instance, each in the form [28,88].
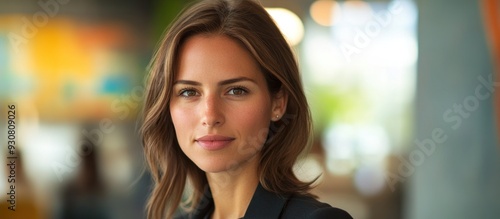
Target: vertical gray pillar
[460,176]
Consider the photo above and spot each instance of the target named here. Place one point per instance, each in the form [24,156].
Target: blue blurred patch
[115,84]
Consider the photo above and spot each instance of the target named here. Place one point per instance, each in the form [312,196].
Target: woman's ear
[279,103]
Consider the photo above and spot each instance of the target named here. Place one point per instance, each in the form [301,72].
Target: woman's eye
[188,93]
[238,91]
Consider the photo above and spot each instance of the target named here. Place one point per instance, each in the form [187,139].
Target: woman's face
[220,105]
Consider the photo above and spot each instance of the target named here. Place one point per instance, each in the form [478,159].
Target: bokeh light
[325,12]
[289,23]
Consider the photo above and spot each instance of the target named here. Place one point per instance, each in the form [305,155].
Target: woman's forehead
[216,55]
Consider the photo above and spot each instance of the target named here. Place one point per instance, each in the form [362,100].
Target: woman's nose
[213,114]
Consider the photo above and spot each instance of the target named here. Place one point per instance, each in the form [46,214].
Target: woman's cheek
[182,117]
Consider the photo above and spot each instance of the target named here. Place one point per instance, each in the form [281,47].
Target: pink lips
[214,142]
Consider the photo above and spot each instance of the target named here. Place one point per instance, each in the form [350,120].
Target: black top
[269,205]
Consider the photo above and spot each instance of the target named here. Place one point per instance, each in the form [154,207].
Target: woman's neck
[233,190]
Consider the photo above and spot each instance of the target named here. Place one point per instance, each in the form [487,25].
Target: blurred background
[401,94]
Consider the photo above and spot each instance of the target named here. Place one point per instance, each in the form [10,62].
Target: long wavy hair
[246,22]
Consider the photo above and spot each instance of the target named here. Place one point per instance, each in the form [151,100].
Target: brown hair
[248,23]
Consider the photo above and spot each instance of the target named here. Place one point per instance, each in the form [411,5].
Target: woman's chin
[209,166]
[233,167]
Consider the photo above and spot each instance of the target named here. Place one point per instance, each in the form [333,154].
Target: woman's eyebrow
[224,82]
[195,83]
[234,80]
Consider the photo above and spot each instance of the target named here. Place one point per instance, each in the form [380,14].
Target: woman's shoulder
[300,206]
[266,204]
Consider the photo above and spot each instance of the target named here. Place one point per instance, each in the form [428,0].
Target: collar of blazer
[264,204]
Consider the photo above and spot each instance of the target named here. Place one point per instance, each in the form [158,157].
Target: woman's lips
[214,142]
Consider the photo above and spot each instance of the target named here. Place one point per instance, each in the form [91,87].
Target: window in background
[359,64]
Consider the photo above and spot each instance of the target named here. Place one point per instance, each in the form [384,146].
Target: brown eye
[188,93]
[237,91]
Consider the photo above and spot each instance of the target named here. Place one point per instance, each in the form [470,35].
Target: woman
[225,114]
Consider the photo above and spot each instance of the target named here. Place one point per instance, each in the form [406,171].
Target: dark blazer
[268,205]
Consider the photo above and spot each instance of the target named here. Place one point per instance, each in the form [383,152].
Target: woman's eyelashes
[189,92]
[237,91]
